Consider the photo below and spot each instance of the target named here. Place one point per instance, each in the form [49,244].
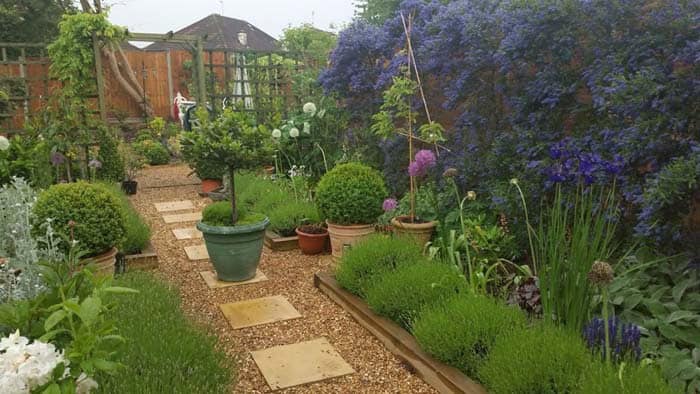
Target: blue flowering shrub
[549,92]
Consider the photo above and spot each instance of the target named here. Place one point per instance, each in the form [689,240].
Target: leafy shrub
[192,145]
[154,360]
[288,216]
[154,152]
[542,359]
[112,164]
[27,158]
[372,257]
[98,216]
[137,232]
[462,330]
[600,378]
[219,214]
[351,193]
[402,294]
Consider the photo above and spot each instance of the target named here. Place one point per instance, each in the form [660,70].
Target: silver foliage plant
[20,252]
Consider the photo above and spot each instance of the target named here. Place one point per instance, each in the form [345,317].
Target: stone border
[146,260]
[443,378]
[278,243]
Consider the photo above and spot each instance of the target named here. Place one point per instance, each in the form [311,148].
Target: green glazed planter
[234,251]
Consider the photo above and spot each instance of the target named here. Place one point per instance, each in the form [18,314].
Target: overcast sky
[271,16]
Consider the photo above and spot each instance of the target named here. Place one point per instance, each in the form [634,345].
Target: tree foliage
[31,20]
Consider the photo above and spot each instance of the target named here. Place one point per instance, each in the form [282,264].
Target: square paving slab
[187,233]
[259,311]
[213,283]
[198,252]
[300,363]
[174,206]
[183,217]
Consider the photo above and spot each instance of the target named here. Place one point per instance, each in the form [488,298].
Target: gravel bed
[290,274]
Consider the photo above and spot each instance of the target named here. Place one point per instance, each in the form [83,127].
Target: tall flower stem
[529,226]
[606,322]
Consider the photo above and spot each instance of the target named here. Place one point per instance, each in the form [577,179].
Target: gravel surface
[290,274]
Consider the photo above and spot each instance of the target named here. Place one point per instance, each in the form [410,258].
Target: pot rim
[231,230]
[299,232]
[427,225]
[330,224]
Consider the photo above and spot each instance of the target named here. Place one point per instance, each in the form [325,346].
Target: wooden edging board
[279,243]
[441,377]
[147,259]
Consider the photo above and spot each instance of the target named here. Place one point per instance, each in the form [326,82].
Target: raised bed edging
[442,377]
[279,243]
[146,260]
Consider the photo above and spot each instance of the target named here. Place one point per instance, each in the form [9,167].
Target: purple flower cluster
[390,204]
[570,164]
[57,158]
[624,339]
[422,162]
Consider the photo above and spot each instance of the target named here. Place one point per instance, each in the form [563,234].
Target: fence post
[100,78]
[201,78]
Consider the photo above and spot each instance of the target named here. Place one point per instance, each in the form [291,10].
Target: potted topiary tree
[87,213]
[233,237]
[350,197]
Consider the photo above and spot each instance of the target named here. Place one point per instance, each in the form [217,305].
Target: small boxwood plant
[219,214]
[542,359]
[402,294]
[351,193]
[461,330]
[285,218]
[88,212]
[374,256]
[137,233]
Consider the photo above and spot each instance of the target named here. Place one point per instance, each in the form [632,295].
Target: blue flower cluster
[624,339]
[548,92]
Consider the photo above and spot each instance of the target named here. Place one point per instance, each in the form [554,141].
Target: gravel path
[290,274]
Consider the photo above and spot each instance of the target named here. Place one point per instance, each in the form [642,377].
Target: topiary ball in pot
[350,197]
[97,216]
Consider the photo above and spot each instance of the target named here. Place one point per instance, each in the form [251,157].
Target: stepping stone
[213,283]
[259,311]
[183,217]
[300,363]
[187,233]
[198,252]
[174,206]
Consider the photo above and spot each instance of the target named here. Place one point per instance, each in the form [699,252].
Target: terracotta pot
[421,232]
[209,185]
[103,263]
[346,236]
[312,243]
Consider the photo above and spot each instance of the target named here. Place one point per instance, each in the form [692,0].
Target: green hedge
[372,257]
[402,294]
[462,330]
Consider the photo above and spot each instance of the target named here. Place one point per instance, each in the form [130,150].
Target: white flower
[294,132]
[25,366]
[310,108]
[4,143]
[471,195]
[276,133]
[514,181]
[307,128]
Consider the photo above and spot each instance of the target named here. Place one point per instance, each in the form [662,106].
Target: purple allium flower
[57,158]
[94,163]
[415,169]
[390,204]
[425,158]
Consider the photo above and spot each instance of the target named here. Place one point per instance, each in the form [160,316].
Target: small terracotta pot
[347,236]
[209,185]
[103,263]
[312,243]
[421,232]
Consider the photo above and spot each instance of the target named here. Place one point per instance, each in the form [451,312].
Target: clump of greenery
[351,193]
[88,212]
[402,294]
[219,214]
[154,152]
[112,164]
[631,379]
[164,352]
[542,359]
[372,257]
[462,330]
[137,232]
[26,157]
[285,218]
